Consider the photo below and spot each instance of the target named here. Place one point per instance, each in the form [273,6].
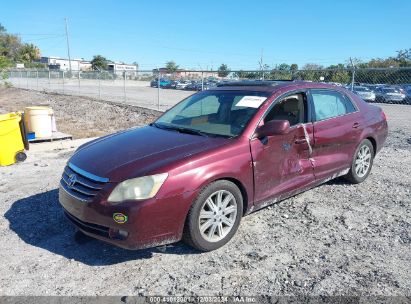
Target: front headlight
[137,188]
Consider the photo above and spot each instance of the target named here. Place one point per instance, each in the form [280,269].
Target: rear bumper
[149,223]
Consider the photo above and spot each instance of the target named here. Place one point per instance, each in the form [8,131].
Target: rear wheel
[214,217]
[362,162]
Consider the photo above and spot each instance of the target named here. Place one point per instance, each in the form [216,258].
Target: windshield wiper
[154,124]
[192,131]
[179,129]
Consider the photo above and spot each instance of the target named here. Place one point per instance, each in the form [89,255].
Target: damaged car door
[281,162]
[337,128]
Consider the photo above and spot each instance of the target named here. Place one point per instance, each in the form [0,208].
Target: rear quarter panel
[375,126]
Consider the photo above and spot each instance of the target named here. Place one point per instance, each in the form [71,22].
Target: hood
[140,151]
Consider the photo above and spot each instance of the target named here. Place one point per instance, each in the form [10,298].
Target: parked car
[193,86]
[364,93]
[164,83]
[389,95]
[216,156]
[154,83]
[407,89]
[182,85]
[173,84]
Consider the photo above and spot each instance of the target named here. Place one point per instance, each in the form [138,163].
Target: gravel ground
[336,239]
[138,93]
[80,116]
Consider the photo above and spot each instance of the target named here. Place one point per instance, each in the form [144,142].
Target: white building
[63,64]
[120,67]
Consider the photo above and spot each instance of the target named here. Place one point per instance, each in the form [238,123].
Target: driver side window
[291,108]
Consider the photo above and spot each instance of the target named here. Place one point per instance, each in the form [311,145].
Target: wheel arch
[245,195]
[373,142]
[240,186]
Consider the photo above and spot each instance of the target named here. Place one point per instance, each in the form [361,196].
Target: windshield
[219,113]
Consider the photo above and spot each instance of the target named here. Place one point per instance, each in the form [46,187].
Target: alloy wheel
[217,216]
[363,161]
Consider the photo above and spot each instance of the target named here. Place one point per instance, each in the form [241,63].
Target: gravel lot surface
[80,116]
[132,92]
[336,239]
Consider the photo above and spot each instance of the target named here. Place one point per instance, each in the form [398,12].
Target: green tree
[99,63]
[171,67]
[223,70]
[14,50]
[404,57]
[29,53]
[312,66]
[283,67]
[5,62]
[294,67]
[10,46]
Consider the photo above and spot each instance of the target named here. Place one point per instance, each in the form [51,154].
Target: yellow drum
[12,139]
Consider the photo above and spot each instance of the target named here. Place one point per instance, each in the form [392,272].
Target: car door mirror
[273,127]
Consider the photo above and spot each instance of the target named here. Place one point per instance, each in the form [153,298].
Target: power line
[43,38]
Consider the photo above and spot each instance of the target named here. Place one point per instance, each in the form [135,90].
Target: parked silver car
[365,93]
[181,85]
[389,95]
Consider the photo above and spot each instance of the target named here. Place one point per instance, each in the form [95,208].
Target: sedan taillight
[383,116]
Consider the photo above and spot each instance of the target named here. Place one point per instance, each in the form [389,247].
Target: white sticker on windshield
[251,101]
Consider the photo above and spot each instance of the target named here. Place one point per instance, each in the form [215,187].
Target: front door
[282,162]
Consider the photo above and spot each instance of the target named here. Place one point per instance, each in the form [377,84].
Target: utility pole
[262,63]
[353,75]
[68,45]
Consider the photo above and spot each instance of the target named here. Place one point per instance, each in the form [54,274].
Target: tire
[361,164]
[214,223]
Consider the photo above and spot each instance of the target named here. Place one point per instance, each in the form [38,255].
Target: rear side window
[329,104]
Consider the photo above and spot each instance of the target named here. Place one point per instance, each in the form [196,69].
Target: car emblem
[120,218]
[72,180]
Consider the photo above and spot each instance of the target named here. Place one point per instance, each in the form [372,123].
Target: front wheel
[214,217]
[362,162]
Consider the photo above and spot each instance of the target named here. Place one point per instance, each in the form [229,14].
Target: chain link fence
[159,90]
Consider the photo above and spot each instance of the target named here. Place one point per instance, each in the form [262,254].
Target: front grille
[80,184]
[89,227]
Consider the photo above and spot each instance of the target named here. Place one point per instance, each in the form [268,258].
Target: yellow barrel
[11,141]
[39,120]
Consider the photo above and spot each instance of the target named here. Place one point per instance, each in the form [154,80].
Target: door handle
[356,125]
[300,141]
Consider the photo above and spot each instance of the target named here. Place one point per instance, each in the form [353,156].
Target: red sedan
[215,157]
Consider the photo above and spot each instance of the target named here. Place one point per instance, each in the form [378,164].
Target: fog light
[117,234]
[123,234]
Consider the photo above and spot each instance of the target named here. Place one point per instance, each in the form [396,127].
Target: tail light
[383,116]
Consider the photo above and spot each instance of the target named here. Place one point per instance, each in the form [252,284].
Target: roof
[272,85]
[253,83]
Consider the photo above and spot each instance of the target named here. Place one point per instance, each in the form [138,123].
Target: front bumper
[149,223]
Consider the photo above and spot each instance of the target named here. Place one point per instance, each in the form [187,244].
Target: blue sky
[204,34]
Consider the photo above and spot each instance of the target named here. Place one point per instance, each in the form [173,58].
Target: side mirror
[273,127]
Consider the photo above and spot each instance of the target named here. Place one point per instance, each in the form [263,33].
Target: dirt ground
[336,239]
[80,116]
